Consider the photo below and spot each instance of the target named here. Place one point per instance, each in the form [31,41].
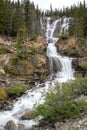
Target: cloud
[45,4]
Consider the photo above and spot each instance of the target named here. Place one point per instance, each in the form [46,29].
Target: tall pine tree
[27,14]
[1,15]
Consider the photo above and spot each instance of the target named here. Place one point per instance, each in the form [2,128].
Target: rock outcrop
[70,47]
[27,115]
[10,125]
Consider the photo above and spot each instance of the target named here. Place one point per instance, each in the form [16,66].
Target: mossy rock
[3,94]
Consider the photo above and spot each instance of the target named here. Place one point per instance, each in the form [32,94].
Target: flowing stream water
[34,96]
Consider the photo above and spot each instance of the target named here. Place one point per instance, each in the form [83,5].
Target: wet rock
[27,115]
[21,127]
[2,105]
[8,108]
[42,85]
[10,125]
[6,105]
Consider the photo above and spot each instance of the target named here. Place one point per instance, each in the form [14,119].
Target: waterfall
[63,73]
[63,64]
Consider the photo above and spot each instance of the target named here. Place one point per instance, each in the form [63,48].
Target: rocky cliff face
[70,47]
[32,66]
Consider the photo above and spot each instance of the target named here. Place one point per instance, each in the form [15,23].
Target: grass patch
[16,89]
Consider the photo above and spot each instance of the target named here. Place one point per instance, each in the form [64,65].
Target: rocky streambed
[74,124]
[36,69]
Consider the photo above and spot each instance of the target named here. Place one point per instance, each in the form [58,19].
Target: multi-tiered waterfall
[63,64]
[33,96]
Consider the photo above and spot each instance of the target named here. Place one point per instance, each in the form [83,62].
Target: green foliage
[84,65]
[73,128]
[33,37]
[17,89]
[14,14]
[63,36]
[17,67]
[43,76]
[32,50]
[1,16]
[81,41]
[80,86]
[59,101]
[83,105]
[3,94]
[3,50]
[71,52]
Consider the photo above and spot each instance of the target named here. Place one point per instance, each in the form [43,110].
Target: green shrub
[83,105]
[17,89]
[60,101]
[80,86]
[33,37]
[42,76]
[84,65]
[32,50]
[63,36]
[3,50]
[72,52]
[3,94]
[57,105]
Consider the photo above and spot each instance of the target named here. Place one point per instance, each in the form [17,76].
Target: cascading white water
[63,63]
[34,96]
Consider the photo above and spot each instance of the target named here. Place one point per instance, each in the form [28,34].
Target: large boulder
[21,127]
[27,115]
[10,125]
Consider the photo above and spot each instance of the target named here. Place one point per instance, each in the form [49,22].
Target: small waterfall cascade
[35,96]
[63,64]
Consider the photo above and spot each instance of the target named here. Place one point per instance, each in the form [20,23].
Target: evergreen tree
[17,19]
[27,14]
[1,15]
[37,23]
[8,17]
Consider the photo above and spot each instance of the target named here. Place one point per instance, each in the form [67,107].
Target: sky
[45,4]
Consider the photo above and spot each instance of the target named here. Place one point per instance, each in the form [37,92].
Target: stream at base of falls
[64,73]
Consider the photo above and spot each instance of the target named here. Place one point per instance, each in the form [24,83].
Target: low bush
[60,101]
[17,89]
[3,50]
[84,65]
[71,52]
[63,36]
[80,86]
[3,94]
[33,37]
